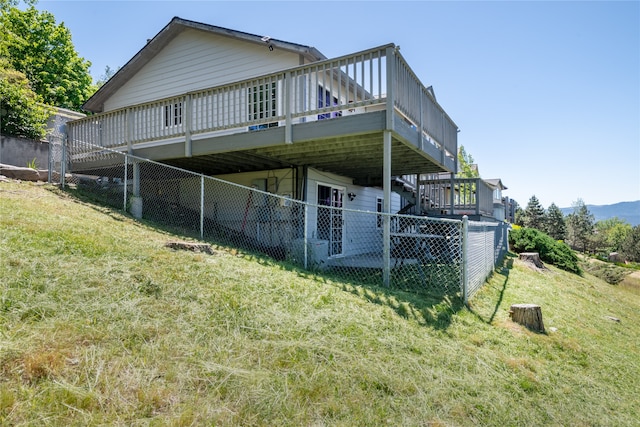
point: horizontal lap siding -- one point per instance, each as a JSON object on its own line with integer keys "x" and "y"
{"x": 196, "y": 60}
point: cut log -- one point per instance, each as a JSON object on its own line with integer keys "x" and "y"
{"x": 527, "y": 315}
{"x": 533, "y": 258}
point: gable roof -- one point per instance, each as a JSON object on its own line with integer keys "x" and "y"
{"x": 496, "y": 183}
{"x": 168, "y": 33}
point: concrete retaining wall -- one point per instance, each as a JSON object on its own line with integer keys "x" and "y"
{"x": 21, "y": 152}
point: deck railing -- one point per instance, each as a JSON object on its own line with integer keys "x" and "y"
{"x": 352, "y": 84}
{"x": 458, "y": 196}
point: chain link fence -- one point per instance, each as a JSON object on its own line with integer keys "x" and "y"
{"x": 486, "y": 244}
{"x": 424, "y": 254}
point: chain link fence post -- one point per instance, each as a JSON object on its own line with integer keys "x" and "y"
{"x": 465, "y": 259}
{"x": 125, "y": 181}
{"x": 201, "y": 207}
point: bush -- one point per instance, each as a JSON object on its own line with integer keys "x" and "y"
{"x": 21, "y": 111}
{"x": 552, "y": 251}
{"x": 608, "y": 272}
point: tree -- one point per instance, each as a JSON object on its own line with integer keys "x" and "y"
{"x": 630, "y": 247}
{"x": 580, "y": 225}
{"x": 467, "y": 168}
{"x": 108, "y": 73}
{"x": 554, "y": 223}
{"x": 533, "y": 215}
{"x": 41, "y": 49}
{"x": 21, "y": 110}
{"x": 613, "y": 232}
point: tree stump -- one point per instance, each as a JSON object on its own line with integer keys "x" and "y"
{"x": 528, "y": 315}
{"x": 532, "y": 257}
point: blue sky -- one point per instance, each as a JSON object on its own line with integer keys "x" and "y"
{"x": 546, "y": 94}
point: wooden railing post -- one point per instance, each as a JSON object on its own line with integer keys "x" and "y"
{"x": 391, "y": 78}
{"x": 288, "y": 139}
{"x": 478, "y": 196}
{"x": 187, "y": 126}
{"x": 128, "y": 134}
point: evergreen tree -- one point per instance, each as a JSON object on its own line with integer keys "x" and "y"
{"x": 533, "y": 215}
{"x": 554, "y": 223}
{"x": 580, "y": 225}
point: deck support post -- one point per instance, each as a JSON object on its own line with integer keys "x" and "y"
{"x": 386, "y": 165}
{"x": 386, "y": 208}
{"x": 136, "y": 200}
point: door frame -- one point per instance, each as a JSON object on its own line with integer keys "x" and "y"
{"x": 336, "y": 216}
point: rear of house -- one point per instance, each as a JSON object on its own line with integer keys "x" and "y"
{"x": 272, "y": 115}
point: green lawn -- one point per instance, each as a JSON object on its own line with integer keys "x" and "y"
{"x": 100, "y": 324}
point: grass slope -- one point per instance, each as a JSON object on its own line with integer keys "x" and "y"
{"x": 100, "y": 324}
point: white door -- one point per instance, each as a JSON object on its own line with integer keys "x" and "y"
{"x": 330, "y": 223}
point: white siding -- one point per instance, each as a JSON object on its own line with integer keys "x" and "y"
{"x": 361, "y": 234}
{"x": 197, "y": 60}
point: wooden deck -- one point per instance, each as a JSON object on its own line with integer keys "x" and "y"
{"x": 217, "y": 130}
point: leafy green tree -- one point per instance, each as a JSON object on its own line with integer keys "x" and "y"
{"x": 467, "y": 167}
{"x": 630, "y": 246}
{"x": 613, "y": 231}
{"x": 554, "y": 223}
{"x": 41, "y": 49}
{"x": 21, "y": 110}
{"x": 580, "y": 226}
{"x": 533, "y": 215}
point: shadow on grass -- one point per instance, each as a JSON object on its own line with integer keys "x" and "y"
{"x": 505, "y": 270}
{"x": 433, "y": 307}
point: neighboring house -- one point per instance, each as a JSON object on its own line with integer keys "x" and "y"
{"x": 445, "y": 196}
{"x": 271, "y": 114}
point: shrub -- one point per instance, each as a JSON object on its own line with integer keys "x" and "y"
{"x": 552, "y": 251}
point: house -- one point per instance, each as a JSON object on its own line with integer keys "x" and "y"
{"x": 445, "y": 196}
{"x": 273, "y": 115}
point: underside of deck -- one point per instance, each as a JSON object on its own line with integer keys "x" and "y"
{"x": 348, "y": 146}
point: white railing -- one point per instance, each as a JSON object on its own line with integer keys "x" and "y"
{"x": 419, "y": 106}
{"x": 352, "y": 84}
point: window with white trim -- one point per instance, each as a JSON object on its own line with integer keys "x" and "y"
{"x": 262, "y": 104}
{"x": 173, "y": 114}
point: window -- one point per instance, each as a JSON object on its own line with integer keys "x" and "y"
{"x": 262, "y": 104}
{"x": 325, "y": 100}
{"x": 173, "y": 114}
{"x": 379, "y": 204}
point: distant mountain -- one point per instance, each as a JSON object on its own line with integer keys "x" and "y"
{"x": 627, "y": 211}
